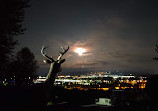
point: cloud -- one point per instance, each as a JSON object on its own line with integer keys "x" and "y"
{"x": 118, "y": 37}
{"x": 111, "y": 49}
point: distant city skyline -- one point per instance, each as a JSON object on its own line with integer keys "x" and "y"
{"x": 99, "y": 81}
{"x": 116, "y": 34}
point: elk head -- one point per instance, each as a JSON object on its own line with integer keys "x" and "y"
{"x": 55, "y": 66}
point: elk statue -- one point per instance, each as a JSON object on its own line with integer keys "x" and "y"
{"x": 55, "y": 67}
{"x": 42, "y": 95}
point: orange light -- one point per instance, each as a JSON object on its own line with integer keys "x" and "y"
{"x": 105, "y": 89}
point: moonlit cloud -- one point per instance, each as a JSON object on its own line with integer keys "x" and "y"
{"x": 117, "y": 35}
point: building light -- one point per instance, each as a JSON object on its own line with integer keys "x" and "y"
{"x": 105, "y": 89}
{"x": 123, "y": 87}
{"x": 117, "y": 87}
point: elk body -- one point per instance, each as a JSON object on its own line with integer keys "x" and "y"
{"x": 45, "y": 89}
{"x": 55, "y": 67}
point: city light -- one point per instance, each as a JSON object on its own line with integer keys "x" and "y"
{"x": 99, "y": 81}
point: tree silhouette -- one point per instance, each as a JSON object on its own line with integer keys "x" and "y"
{"x": 23, "y": 69}
{"x": 11, "y": 17}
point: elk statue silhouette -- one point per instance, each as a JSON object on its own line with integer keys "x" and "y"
{"x": 55, "y": 67}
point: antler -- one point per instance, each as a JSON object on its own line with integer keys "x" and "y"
{"x": 62, "y": 53}
{"x": 45, "y": 54}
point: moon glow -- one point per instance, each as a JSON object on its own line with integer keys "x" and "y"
{"x": 80, "y": 51}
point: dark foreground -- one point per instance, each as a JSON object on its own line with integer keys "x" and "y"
{"x": 32, "y": 98}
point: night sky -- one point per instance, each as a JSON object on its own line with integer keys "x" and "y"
{"x": 116, "y": 34}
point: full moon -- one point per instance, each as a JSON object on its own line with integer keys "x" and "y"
{"x": 80, "y": 51}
